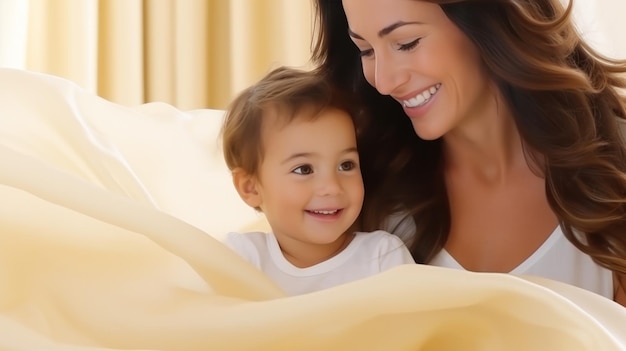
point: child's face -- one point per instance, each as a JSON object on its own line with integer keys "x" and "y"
{"x": 309, "y": 185}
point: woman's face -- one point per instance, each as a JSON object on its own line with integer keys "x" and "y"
{"x": 414, "y": 53}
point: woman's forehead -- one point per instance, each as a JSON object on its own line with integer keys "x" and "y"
{"x": 367, "y": 18}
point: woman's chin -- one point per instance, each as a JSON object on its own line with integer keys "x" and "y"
{"x": 427, "y": 133}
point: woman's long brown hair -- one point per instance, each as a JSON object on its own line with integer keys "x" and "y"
{"x": 565, "y": 99}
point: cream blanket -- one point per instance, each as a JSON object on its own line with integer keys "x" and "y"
{"x": 103, "y": 246}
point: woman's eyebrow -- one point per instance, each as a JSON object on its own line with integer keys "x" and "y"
{"x": 385, "y": 31}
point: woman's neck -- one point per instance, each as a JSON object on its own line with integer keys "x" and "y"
{"x": 487, "y": 146}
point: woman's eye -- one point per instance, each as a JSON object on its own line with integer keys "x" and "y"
{"x": 306, "y": 169}
{"x": 347, "y": 166}
{"x": 366, "y": 53}
{"x": 409, "y": 46}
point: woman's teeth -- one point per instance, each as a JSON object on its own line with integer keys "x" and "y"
{"x": 421, "y": 98}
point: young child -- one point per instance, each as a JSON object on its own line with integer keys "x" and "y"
{"x": 290, "y": 143}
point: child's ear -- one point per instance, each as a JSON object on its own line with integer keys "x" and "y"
{"x": 246, "y": 186}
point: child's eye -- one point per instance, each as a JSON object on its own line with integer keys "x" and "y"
{"x": 409, "y": 46}
{"x": 347, "y": 166}
{"x": 305, "y": 169}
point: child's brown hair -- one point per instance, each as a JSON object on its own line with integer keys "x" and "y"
{"x": 294, "y": 93}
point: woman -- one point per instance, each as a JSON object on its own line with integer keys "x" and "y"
{"x": 494, "y": 140}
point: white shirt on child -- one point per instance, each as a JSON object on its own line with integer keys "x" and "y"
{"x": 367, "y": 254}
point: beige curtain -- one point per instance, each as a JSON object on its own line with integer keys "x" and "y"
{"x": 189, "y": 53}
{"x": 192, "y": 53}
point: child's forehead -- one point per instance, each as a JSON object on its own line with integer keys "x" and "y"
{"x": 304, "y": 120}
{"x": 281, "y": 115}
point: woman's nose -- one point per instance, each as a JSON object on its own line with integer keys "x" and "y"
{"x": 388, "y": 75}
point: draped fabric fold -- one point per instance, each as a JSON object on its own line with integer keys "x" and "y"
{"x": 108, "y": 226}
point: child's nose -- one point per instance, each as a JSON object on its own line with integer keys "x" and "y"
{"x": 329, "y": 185}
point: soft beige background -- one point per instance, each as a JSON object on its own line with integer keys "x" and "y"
{"x": 191, "y": 53}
